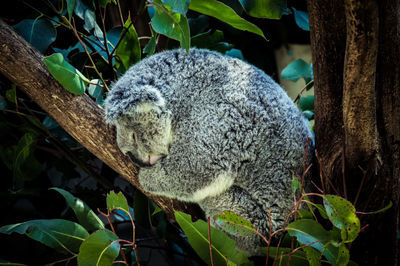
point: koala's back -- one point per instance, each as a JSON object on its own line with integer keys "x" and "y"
{"x": 243, "y": 117}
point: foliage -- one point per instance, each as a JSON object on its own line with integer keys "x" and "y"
{"x": 85, "y": 54}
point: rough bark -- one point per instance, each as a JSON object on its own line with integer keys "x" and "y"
{"x": 328, "y": 47}
{"x": 359, "y": 99}
{"x": 80, "y": 116}
{"x": 363, "y": 96}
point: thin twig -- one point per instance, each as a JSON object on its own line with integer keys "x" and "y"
{"x": 209, "y": 240}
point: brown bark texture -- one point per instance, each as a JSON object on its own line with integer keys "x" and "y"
{"x": 356, "y": 59}
{"x": 359, "y": 99}
{"x": 328, "y": 46}
{"x": 80, "y": 116}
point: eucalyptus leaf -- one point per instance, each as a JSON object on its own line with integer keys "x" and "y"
{"x": 309, "y": 232}
{"x": 25, "y": 165}
{"x": 62, "y": 235}
{"x": 313, "y": 256}
{"x": 70, "y": 8}
{"x": 128, "y": 50}
{"x": 99, "y": 249}
{"x": 96, "y": 91}
{"x": 342, "y": 214}
{"x": 296, "y": 70}
{"x": 234, "y": 224}
{"x": 68, "y": 76}
{"x": 177, "y": 6}
{"x": 223, "y": 248}
{"x": 272, "y": 9}
{"x": 224, "y": 13}
{"x": 115, "y": 201}
{"x": 86, "y": 217}
{"x": 282, "y": 255}
{"x": 301, "y": 19}
{"x": 173, "y": 25}
{"x": 150, "y": 47}
{"x": 11, "y": 95}
{"x": 40, "y": 33}
{"x": 343, "y": 255}
{"x": 307, "y": 103}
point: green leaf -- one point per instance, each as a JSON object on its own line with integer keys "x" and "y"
{"x": 309, "y": 231}
{"x": 86, "y": 217}
{"x": 264, "y": 8}
{"x": 307, "y": 103}
{"x": 296, "y": 184}
{"x": 343, "y": 255}
{"x": 223, "y": 248}
{"x": 38, "y": 32}
{"x": 296, "y": 70}
{"x": 342, "y": 214}
{"x": 115, "y": 201}
{"x": 128, "y": 51}
{"x": 177, "y": 6}
{"x": 11, "y": 95}
{"x": 313, "y": 256}
{"x": 59, "y": 234}
{"x": 99, "y": 249}
{"x": 96, "y": 91}
{"x": 207, "y": 39}
{"x": 150, "y": 47}
{"x": 70, "y": 8}
{"x": 25, "y": 165}
{"x": 224, "y": 13}
{"x": 103, "y": 3}
{"x": 301, "y": 19}
{"x": 68, "y": 76}
{"x": 172, "y": 25}
{"x": 296, "y": 259}
{"x": 234, "y": 224}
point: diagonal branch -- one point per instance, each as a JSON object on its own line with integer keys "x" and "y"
{"x": 78, "y": 115}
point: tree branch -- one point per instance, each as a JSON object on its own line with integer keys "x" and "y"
{"x": 80, "y": 116}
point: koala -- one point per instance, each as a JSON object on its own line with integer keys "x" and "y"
{"x": 207, "y": 128}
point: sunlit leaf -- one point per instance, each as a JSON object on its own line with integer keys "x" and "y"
{"x": 100, "y": 248}
{"x": 68, "y": 76}
{"x": 117, "y": 201}
{"x": 59, "y": 234}
{"x": 343, "y": 255}
{"x": 223, "y": 247}
{"x": 96, "y": 91}
{"x": 264, "y": 8}
{"x": 342, "y": 214}
{"x": 234, "y": 224}
{"x": 224, "y": 13}
{"x": 38, "y": 32}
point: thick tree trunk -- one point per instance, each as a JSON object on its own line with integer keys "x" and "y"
{"x": 80, "y": 116}
{"x": 357, "y": 110}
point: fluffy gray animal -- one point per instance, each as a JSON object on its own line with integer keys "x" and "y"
{"x": 214, "y": 130}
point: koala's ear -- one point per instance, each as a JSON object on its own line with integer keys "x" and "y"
{"x": 132, "y": 100}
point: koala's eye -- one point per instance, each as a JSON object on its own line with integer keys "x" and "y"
{"x": 133, "y": 137}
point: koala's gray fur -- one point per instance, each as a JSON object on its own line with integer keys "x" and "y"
{"x": 214, "y": 130}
